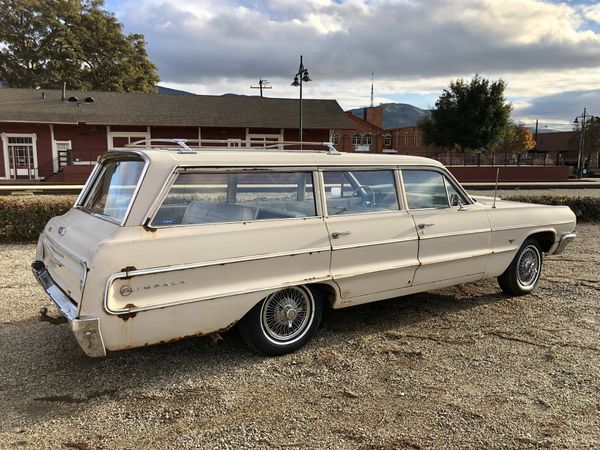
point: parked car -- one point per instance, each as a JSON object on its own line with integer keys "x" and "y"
{"x": 165, "y": 243}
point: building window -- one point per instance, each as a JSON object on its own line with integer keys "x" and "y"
{"x": 356, "y": 139}
{"x": 20, "y": 156}
{"x": 335, "y": 138}
{"x": 367, "y": 139}
{"x": 387, "y": 140}
{"x": 406, "y": 139}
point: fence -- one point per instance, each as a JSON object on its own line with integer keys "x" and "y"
{"x": 493, "y": 159}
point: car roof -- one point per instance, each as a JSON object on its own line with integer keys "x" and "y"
{"x": 216, "y": 157}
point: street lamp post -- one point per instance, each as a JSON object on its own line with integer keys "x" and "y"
{"x": 580, "y": 161}
{"x": 301, "y": 76}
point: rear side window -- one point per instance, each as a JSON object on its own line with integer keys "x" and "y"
{"x": 198, "y": 198}
{"x": 113, "y": 189}
{"x": 360, "y": 191}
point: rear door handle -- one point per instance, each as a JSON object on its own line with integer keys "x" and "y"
{"x": 339, "y": 234}
{"x": 425, "y": 225}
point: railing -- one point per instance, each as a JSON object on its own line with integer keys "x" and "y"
{"x": 492, "y": 159}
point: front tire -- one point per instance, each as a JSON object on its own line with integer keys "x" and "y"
{"x": 283, "y": 322}
{"x": 524, "y": 271}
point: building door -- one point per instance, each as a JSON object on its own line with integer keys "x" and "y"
{"x": 22, "y": 157}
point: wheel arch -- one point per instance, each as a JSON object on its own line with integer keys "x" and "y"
{"x": 546, "y": 239}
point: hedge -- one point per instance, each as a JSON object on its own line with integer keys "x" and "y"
{"x": 587, "y": 209}
{"x": 22, "y": 218}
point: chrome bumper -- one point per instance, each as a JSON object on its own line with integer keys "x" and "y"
{"x": 561, "y": 244}
{"x": 86, "y": 329}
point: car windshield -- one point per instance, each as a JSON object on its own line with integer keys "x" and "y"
{"x": 113, "y": 189}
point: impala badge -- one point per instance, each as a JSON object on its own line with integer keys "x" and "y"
{"x": 62, "y": 231}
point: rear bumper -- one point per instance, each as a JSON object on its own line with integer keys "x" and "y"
{"x": 560, "y": 245}
{"x": 85, "y": 329}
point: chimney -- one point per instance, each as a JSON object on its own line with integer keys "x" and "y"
{"x": 64, "y": 91}
{"x": 374, "y": 115}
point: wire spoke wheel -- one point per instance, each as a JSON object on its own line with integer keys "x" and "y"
{"x": 528, "y": 266}
{"x": 287, "y": 314}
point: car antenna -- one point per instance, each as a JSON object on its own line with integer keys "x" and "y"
{"x": 496, "y": 187}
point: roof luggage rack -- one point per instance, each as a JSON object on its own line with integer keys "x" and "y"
{"x": 194, "y": 145}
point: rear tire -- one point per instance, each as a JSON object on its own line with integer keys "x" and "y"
{"x": 283, "y": 322}
{"x": 524, "y": 271}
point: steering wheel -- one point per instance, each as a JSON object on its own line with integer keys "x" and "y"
{"x": 365, "y": 189}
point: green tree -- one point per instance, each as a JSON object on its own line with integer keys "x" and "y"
{"x": 469, "y": 115}
{"x": 45, "y": 43}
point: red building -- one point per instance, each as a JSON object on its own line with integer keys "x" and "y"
{"x": 46, "y": 137}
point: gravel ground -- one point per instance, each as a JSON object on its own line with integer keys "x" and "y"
{"x": 514, "y": 192}
{"x": 464, "y": 367}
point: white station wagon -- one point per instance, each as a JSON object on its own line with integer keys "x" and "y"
{"x": 170, "y": 242}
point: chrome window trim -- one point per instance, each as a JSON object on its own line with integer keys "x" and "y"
{"x": 96, "y": 173}
{"x": 187, "y": 266}
{"x": 177, "y": 170}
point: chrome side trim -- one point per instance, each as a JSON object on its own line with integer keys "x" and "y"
{"x": 454, "y": 233}
{"x": 531, "y": 225}
{"x": 415, "y": 264}
{"x": 212, "y": 297}
{"x": 374, "y": 243}
{"x": 187, "y": 266}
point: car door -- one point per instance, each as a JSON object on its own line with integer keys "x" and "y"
{"x": 374, "y": 241}
{"x": 454, "y": 233}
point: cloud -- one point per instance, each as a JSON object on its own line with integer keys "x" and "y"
{"x": 562, "y": 107}
{"x": 540, "y": 48}
{"x": 344, "y": 40}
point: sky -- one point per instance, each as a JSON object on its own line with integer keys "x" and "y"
{"x": 548, "y": 52}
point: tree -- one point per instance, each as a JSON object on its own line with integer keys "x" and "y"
{"x": 468, "y": 116}
{"x": 45, "y": 43}
{"x": 515, "y": 139}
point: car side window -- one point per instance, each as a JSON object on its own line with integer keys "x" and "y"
{"x": 360, "y": 191}
{"x": 198, "y": 198}
{"x": 455, "y": 198}
{"x": 425, "y": 189}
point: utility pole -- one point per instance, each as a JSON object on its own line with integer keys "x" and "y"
{"x": 372, "y": 88}
{"x": 262, "y": 84}
{"x": 536, "y": 131}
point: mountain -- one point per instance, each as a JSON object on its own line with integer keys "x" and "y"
{"x": 396, "y": 115}
{"x": 168, "y": 91}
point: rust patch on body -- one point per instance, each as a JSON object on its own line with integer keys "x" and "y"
{"x": 129, "y": 315}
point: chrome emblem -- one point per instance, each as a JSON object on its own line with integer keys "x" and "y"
{"x": 125, "y": 290}
{"x": 62, "y": 231}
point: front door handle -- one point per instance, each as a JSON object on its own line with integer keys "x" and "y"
{"x": 339, "y": 234}
{"x": 425, "y": 225}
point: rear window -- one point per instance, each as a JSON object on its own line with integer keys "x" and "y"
{"x": 197, "y": 198}
{"x": 113, "y": 189}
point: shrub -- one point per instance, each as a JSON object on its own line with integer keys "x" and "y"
{"x": 22, "y": 218}
{"x": 587, "y": 209}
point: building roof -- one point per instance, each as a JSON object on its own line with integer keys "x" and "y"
{"x": 118, "y": 108}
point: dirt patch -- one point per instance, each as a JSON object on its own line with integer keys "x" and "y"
{"x": 464, "y": 367}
